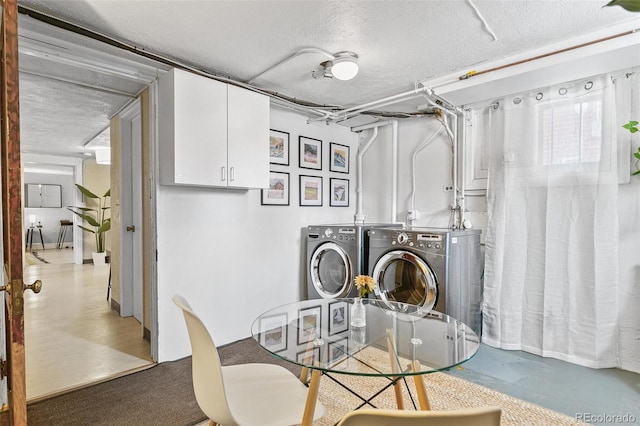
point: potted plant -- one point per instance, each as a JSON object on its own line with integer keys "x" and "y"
{"x": 97, "y": 220}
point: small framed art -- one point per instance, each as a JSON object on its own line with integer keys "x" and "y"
{"x": 278, "y": 147}
{"x": 309, "y": 324}
{"x": 273, "y": 332}
{"x": 338, "y": 317}
{"x": 278, "y": 192}
{"x": 310, "y": 190}
{"x": 339, "y": 158}
{"x": 337, "y": 350}
{"x": 309, "y": 356}
{"x": 310, "y": 151}
{"x": 339, "y": 192}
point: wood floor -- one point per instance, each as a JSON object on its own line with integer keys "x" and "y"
{"x": 72, "y": 336}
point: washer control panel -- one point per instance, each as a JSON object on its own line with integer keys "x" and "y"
{"x": 346, "y": 234}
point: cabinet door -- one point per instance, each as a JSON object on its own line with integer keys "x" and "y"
{"x": 248, "y": 138}
{"x": 200, "y": 130}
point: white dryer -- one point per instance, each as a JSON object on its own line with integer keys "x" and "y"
{"x": 436, "y": 268}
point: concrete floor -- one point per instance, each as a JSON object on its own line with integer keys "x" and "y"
{"x": 561, "y": 386}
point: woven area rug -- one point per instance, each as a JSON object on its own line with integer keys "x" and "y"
{"x": 445, "y": 392}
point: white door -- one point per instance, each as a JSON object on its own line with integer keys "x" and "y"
{"x": 131, "y": 284}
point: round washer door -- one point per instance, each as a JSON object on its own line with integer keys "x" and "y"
{"x": 331, "y": 271}
{"x": 405, "y": 277}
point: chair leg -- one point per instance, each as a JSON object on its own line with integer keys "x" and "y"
{"x": 109, "y": 283}
{"x": 420, "y": 388}
{"x": 312, "y": 398}
{"x": 395, "y": 368}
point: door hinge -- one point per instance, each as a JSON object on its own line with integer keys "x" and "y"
{"x": 4, "y": 370}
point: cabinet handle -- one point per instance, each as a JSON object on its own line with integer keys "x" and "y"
{"x": 224, "y": 173}
{"x": 232, "y": 176}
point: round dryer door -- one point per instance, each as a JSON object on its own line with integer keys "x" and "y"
{"x": 331, "y": 271}
{"x": 405, "y": 277}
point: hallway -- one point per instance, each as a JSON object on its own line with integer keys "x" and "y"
{"x": 72, "y": 336}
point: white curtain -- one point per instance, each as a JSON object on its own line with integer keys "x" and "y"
{"x": 551, "y": 267}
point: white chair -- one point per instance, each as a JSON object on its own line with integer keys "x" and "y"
{"x": 481, "y": 416}
{"x": 245, "y": 394}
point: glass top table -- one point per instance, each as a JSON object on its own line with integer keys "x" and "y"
{"x": 398, "y": 340}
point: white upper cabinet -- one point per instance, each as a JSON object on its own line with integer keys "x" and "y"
{"x": 248, "y": 138}
{"x": 211, "y": 133}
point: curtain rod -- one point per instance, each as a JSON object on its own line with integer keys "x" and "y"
{"x": 474, "y": 73}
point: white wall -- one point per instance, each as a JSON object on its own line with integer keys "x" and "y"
{"x": 50, "y": 217}
{"x": 233, "y": 258}
{"x": 433, "y": 172}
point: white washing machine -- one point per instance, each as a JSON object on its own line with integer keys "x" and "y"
{"x": 335, "y": 255}
{"x": 436, "y": 268}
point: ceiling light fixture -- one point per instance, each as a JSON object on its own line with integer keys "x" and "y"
{"x": 344, "y": 66}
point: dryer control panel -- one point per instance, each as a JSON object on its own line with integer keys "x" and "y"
{"x": 423, "y": 241}
{"x": 430, "y": 240}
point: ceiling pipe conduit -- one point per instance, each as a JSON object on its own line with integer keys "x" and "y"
{"x": 302, "y": 51}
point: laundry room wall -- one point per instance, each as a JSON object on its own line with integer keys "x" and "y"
{"x": 433, "y": 171}
{"x": 233, "y": 258}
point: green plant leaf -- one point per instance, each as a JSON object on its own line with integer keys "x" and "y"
{"x": 105, "y": 227}
{"x": 87, "y": 229}
{"x": 632, "y": 126}
{"x": 84, "y": 209}
{"x": 630, "y": 5}
{"x": 94, "y": 217}
{"x": 635, "y": 173}
{"x": 86, "y": 192}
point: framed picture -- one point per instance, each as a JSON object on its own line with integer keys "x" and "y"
{"x": 278, "y": 192}
{"x": 339, "y": 158}
{"x": 309, "y": 324}
{"x": 273, "y": 332}
{"x": 337, "y": 350}
{"x": 338, "y": 317}
{"x": 309, "y": 356}
{"x": 310, "y": 153}
{"x": 278, "y": 147}
{"x": 339, "y": 196}
{"x": 310, "y": 190}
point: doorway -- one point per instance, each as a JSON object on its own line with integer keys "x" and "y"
{"x": 75, "y": 334}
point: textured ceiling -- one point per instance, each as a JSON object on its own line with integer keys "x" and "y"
{"x": 398, "y": 42}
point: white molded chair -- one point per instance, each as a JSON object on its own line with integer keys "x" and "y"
{"x": 481, "y": 416}
{"x": 245, "y": 394}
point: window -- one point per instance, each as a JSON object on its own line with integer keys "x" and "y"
{"x": 572, "y": 132}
